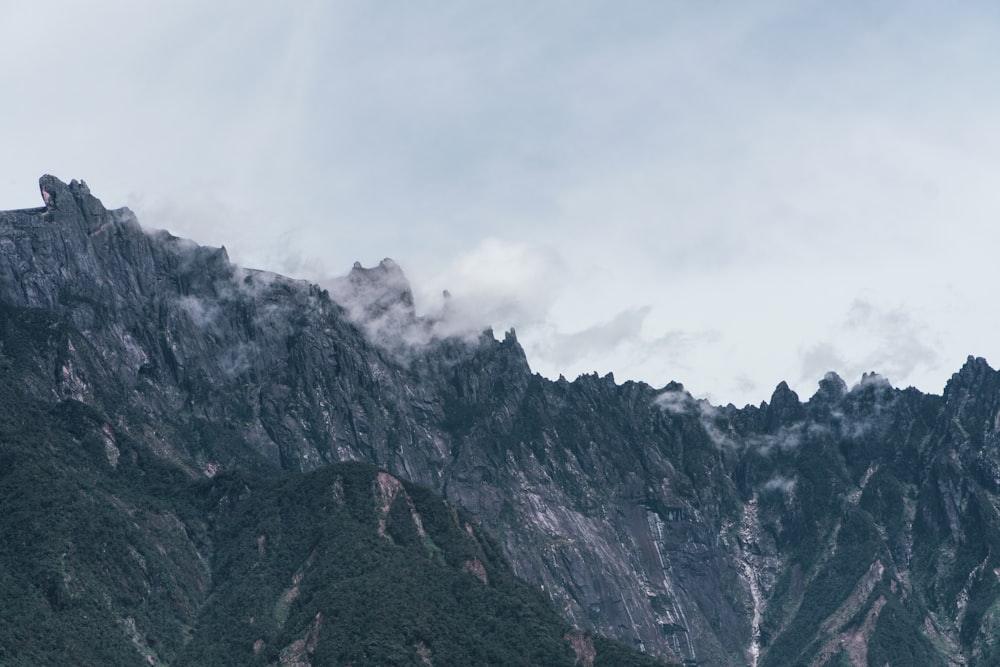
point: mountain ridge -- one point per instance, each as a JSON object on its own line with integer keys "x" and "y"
{"x": 857, "y": 527}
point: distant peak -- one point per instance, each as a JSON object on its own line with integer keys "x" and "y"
{"x": 832, "y": 388}
{"x": 975, "y": 365}
{"x": 54, "y": 192}
{"x": 73, "y": 198}
{"x": 785, "y": 403}
{"x": 386, "y": 266}
{"x": 379, "y": 297}
{"x": 385, "y": 283}
{"x": 973, "y": 373}
{"x": 873, "y": 379}
{"x": 783, "y": 395}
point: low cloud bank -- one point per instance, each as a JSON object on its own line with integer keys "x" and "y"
{"x": 381, "y": 302}
{"x": 787, "y": 438}
{"x": 851, "y": 420}
{"x": 497, "y": 285}
{"x": 713, "y": 423}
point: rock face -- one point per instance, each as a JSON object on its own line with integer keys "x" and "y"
{"x": 857, "y": 527}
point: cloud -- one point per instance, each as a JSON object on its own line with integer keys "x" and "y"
{"x": 620, "y": 330}
{"x": 201, "y": 313}
{"x": 873, "y": 379}
{"x": 693, "y": 167}
{"x": 819, "y": 359}
{"x": 786, "y": 439}
{"x": 380, "y": 301}
{"x": 676, "y": 402}
{"x": 711, "y": 419}
{"x": 497, "y": 283}
{"x": 719, "y": 431}
{"x": 902, "y": 341}
{"x": 623, "y": 337}
{"x": 781, "y": 484}
{"x": 238, "y": 359}
{"x": 858, "y": 419}
{"x": 890, "y": 340}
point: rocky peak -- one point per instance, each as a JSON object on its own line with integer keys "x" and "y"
{"x": 384, "y": 285}
{"x": 972, "y": 395}
{"x": 784, "y": 407}
{"x": 706, "y": 535}
{"x": 380, "y": 300}
{"x": 973, "y": 373}
{"x": 832, "y": 389}
{"x": 71, "y": 202}
{"x": 59, "y": 195}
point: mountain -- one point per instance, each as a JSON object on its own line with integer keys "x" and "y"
{"x": 147, "y": 380}
{"x": 140, "y": 526}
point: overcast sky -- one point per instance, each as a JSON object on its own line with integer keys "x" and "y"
{"x": 726, "y": 194}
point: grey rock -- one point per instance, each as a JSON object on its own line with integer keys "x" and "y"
{"x": 789, "y": 533}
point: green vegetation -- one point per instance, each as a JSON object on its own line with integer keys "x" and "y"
{"x": 897, "y": 640}
{"x": 111, "y": 555}
{"x": 876, "y": 508}
{"x": 612, "y": 654}
{"x": 307, "y": 553}
{"x": 95, "y": 571}
{"x": 857, "y": 547}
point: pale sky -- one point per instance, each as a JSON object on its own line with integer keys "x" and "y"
{"x": 725, "y": 194}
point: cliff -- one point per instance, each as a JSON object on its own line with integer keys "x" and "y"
{"x": 856, "y": 527}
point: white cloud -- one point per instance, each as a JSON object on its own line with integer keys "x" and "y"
{"x": 496, "y": 283}
{"x": 712, "y": 420}
{"x": 780, "y": 483}
{"x": 201, "y": 314}
{"x": 786, "y": 439}
{"x": 869, "y": 338}
{"x": 676, "y": 402}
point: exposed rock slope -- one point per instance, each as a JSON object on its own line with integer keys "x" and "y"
{"x": 857, "y": 527}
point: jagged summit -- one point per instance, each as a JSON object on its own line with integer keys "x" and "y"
{"x": 973, "y": 369}
{"x": 378, "y": 289}
{"x": 858, "y": 529}
{"x": 832, "y": 388}
{"x": 72, "y": 201}
{"x": 56, "y": 193}
{"x": 974, "y": 378}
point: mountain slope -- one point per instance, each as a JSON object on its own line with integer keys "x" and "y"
{"x": 113, "y": 555}
{"x": 857, "y": 527}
